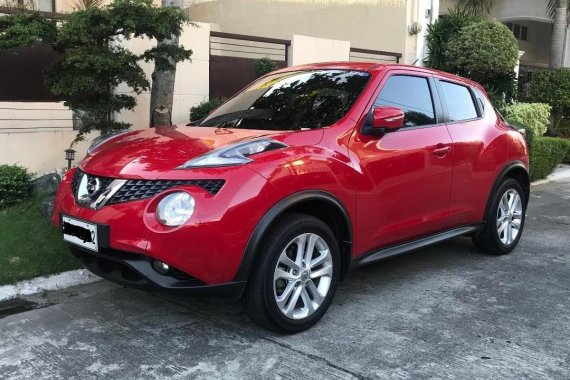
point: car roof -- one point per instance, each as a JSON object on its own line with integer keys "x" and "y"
{"x": 374, "y": 67}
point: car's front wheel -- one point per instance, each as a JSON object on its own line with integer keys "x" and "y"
{"x": 505, "y": 217}
{"x": 295, "y": 275}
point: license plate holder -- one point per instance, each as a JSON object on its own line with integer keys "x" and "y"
{"x": 80, "y": 233}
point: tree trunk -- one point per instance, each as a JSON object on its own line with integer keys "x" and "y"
{"x": 162, "y": 92}
{"x": 558, "y": 34}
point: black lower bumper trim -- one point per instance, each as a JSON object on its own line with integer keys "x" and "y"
{"x": 136, "y": 271}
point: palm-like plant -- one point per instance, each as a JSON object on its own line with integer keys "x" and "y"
{"x": 84, "y": 4}
{"x": 557, "y": 10}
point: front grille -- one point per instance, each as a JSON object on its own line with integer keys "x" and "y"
{"x": 75, "y": 181}
{"x": 136, "y": 189}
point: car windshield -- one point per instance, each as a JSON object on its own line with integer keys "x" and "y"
{"x": 297, "y": 100}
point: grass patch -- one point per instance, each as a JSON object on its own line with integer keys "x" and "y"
{"x": 30, "y": 246}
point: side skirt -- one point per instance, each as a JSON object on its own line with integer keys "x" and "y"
{"x": 400, "y": 249}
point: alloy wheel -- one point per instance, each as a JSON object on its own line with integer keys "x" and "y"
{"x": 509, "y": 216}
{"x": 302, "y": 276}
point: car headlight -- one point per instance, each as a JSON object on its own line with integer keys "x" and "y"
{"x": 233, "y": 154}
{"x": 175, "y": 209}
{"x": 98, "y": 141}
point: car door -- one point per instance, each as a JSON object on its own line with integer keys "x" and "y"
{"x": 405, "y": 176}
{"x": 478, "y": 148}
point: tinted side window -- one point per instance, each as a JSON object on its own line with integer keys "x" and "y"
{"x": 412, "y": 95}
{"x": 459, "y": 102}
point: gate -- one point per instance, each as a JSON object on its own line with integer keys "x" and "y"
{"x": 233, "y": 57}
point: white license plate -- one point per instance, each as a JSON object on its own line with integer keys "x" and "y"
{"x": 80, "y": 233}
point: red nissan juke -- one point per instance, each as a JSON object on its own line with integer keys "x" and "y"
{"x": 305, "y": 175}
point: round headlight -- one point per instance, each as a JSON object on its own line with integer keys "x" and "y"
{"x": 175, "y": 209}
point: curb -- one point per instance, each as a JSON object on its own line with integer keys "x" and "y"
{"x": 561, "y": 172}
{"x": 47, "y": 283}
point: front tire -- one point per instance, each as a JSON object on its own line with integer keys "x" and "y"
{"x": 295, "y": 276}
{"x": 505, "y": 217}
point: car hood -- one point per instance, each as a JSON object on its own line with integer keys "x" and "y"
{"x": 151, "y": 152}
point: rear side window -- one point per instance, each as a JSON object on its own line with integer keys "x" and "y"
{"x": 412, "y": 95}
{"x": 459, "y": 101}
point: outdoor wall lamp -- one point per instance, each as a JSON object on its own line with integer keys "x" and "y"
{"x": 69, "y": 156}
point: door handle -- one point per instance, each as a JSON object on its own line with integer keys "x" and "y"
{"x": 442, "y": 151}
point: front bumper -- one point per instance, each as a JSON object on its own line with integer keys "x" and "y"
{"x": 136, "y": 271}
{"x": 209, "y": 247}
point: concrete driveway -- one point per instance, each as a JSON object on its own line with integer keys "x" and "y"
{"x": 446, "y": 312}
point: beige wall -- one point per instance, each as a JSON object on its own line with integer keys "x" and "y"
{"x": 379, "y": 25}
{"x": 35, "y": 135}
{"x": 310, "y": 49}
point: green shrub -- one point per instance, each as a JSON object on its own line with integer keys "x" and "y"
{"x": 535, "y": 116}
{"x": 264, "y": 66}
{"x": 440, "y": 32}
{"x": 487, "y": 52}
{"x": 547, "y": 153}
{"x": 552, "y": 87}
{"x": 204, "y": 108}
{"x": 14, "y": 184}
{"x": 482, "y": 48}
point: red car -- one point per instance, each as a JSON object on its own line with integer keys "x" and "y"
{"x": 305, "y": 175}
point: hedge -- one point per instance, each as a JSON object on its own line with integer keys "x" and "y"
{"x": 204, "y": 108}
{"x": 546, "y": 154}
{"x": 14, "y": 184}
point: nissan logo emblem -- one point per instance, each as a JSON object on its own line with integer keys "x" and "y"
{"x": 93, "y": 185}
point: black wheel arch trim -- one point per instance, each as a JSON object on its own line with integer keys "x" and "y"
{"x": 510, "y": 166}
{"x": 274, "y": 212}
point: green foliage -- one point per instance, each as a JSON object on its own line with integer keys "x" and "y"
{"x": 264, "y": 66}
{"x": 91, "y": 61}
{"x": 534, "y": 116}
{"x": 204, "y": 108}
{"x": 552, "y": 87}
{"x": 14, "y": 185}
{"x": 481, "y": 49}
{"x": 24, "y": 30}
{"x": 440, "y": 32}
{"x": 547, "y": 153}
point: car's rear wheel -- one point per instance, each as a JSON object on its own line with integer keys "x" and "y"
{"x": 505, "y": 217}
{"x": 295, "y": 275}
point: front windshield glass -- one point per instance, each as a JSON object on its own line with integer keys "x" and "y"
{"x": 290, "y": 101}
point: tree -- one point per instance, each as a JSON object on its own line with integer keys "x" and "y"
{"x": 84, "y": 4}
{"x": 91, "y": 61}
{"x": 164, "y": 74}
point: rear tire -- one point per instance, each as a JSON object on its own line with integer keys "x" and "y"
{"x": 295, "y": 275}
{"x": 505, "y": 217}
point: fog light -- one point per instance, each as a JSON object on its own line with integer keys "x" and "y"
{"x": 160, "y": 267}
